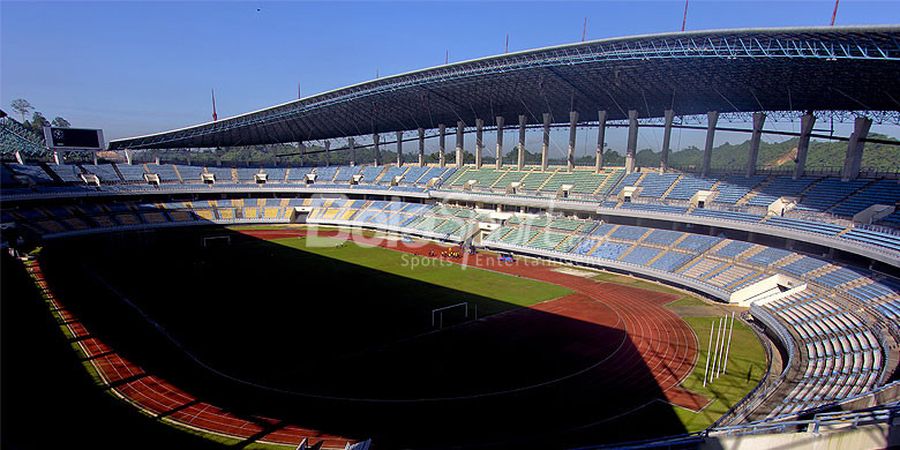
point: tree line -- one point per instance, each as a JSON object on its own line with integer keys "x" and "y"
{"x": 38, "y": 120}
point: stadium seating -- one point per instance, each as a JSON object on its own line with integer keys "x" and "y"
{"x": 688, "y": 185}
{"x": 732, "y": 189}
{"x": 105, "y": 172}
{"x": 132, "y": 173}
{"x": 779, "y": 187}
{"x": 840, "y": 355}
{"x": 166, "y": 172}
{"x": 884, "y": 192}
{"x": 654, "y": 185}
{"x": 68, "y": 173}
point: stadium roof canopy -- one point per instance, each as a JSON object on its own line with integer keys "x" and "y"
{"x": 15, "y": 137}
{"x": 730, "y": 71}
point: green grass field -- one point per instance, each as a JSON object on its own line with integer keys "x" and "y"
{"x": 746, "y": 366}
{"x": 284, "y": 281}
{"x": 747, "y": 363}
{"x": 493, "y": 285}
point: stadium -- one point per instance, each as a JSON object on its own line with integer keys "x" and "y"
{"x": 389, "y": 291}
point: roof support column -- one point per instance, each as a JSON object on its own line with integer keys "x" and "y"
{"x": 376, "y": 144}
{"x": 667, "y": 141}
{"x": 573, "y": 129}
{"x": 442, "y": 145}
{"x": 545, "y": 146}
{"x": 460, "y": 129}
{"x": 631, "y": 148}
{"x": 520, "y": 163}
{"x": 601, "y": 137}
{"x": 712, "y": 118}
{"x": 352, "y": 144}
{"x": 479, "y": 141}
{"x": 421, "y": 147}
{"x": 806, "y": 125}
{"x": 127, "y": 156}
{"x": 759, "y": 119}
{"x": 499, "y": 151}
{"x": 853, "y": 160}
{"x": 399, "y": 149}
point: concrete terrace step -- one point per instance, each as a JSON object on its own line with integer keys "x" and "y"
{"x": 754, "y": 191}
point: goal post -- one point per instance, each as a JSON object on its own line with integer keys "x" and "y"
{"x": 437, "y": 314}
{"x": 215, "y": 241}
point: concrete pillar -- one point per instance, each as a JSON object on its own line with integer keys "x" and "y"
{"x": 399, "y": 149}
{"x": 376, "y": 144}
{"x": 712, "y": 118}
{"x": 94, "y": 157}
{"x": 667, "y": 140}
{"x": 806, "y": 126}
{"x": 499, "y": 151}
{"x": 128, "y": 156}
{"x": 18, "y": 156}
{"x": 156, "y": 159}
{"x": 300, "y": 146}
{"x": 189, "y": 157}
{"x": 352, "y": 144}
{"x": 520, "y": 163}
{"x": 56, "y": 158}
{"x": 601, "y": 140}
{"x": 631, "y": 148}
{"x": 442, "y": 145}
{"x": 479, "y": 141}
{"x": 573, "y": 129}
{"x": 853, "y": 160}
{"x": 421, "y": 147}
{"x": 759, "y": 119}
{"x": 545, "y": 146}
{"x": 460, "y": 136}
{"x": 327, "y": 153}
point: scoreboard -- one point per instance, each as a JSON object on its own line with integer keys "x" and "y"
{"x": 74, "y": 138}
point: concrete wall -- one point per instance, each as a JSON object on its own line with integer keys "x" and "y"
{"x": 862, "y": 438}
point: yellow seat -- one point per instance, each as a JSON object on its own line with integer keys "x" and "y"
{"x": 205, "y": 214}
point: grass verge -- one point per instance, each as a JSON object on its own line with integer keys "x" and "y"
{"x": 746, "y": 366}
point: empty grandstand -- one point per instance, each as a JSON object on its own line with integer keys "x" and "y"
{"x": 808, "y": 260}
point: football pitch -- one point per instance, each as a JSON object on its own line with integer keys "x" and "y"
{"x": 341, "y": 336}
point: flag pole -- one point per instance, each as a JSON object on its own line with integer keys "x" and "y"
{"x": 708, "y": 354}
{"x": 716, "y": 354}
{"x": 728, "y": 349}
{"x": 722, "y": 349}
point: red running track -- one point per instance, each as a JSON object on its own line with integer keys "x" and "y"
{"x": 662, "y": 342}
{"x": 162, "y": 400}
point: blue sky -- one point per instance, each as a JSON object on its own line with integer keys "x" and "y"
{"x": 138, "y": 67}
